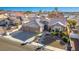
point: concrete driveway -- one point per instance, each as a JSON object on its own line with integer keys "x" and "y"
{"x": 22, "y": 35}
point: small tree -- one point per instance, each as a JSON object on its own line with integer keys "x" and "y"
{"x": 17, "y": 24}
{"x": 72, "y": 22}
{"x": 69, "y": 21}
{"x": 53, "y": 33}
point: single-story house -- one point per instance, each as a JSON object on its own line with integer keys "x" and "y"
{"x": 4, "y": 22}
{"x": 3, "y": 16}
{"x": 14, "y": 20}
{"x": 59, "y": 24}
{"x": 32, "y": 16}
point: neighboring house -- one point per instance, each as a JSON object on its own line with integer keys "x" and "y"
{"x": 14, "y": 20}
{"x": 2, "y": 16}
{"x": 74, "y": 34}
{"x": 33, "y": 26}
{"x": 33, "y": 16}
{"x": 56, "y": 14}
{"x": 16, "y": 15}
{"x": 4, "y": 22}
{"x": 75, "y": 37}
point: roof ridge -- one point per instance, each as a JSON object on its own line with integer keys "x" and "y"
{"x": 38, "y": 22}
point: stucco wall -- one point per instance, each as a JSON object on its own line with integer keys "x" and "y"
{"x": 61, "y": 28}
{"x": 31, "y": 29}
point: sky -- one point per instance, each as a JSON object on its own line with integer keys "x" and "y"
{"x": 62, "y": 9}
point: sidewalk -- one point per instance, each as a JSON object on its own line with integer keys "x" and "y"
{"x": 32, "y": 38}
{"x": 50, "y": 48}
{"x": 13, "y": 39}
{"x": 14, "y": 30}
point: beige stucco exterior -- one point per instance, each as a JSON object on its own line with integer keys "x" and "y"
{"x": 58, "y": 26}
{"x": 32, "y": 26}
{"x": 32, "y": 29}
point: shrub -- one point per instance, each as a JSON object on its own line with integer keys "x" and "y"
{"x": 54, "y": 33}
{"x": 65, "y": 39}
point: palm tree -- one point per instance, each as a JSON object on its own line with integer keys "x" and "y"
{"x": 74, "y": 22}
{"x": 69, "y": 21}
{"x": 69, "y": 39}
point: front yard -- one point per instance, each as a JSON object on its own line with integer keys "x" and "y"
{"x": 54, "y": 39}
{"x": 54, "y": 43}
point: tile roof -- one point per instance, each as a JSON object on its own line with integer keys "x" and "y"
{"x": 32, "y": 23}
{"x": 74, "y": 35}
{"x": 53, "y": 21}
{"x": 59, "y": 23}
